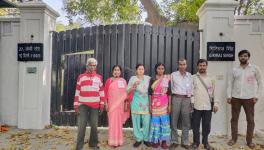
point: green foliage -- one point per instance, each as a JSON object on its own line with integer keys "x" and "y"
{"x": 61, "y": 27}
{"x": 250, "y": 7}
{"x": 185, "y": 10}
{"x": 181, "y": 11}
{"x": 128, "y": 11}
{"x": 2, "y": 12}
{"x": 103, "y": 11}
{"x": 9, "y": 11}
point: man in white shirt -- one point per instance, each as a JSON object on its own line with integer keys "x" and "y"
{"x": 204, "y": 104}
{"x": 244, "y": 89}
{"x": 181, "y": 88}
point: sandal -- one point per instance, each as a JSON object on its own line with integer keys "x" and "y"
{"x": 164, "y": 145}
{"x": 231, "y": 143}
{"x": 251, "y": 145}
{"x": 155, "y": 145}
{"x": 3, "y": 128}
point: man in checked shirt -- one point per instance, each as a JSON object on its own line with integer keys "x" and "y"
{"x": 244, "y": 89}
{"x": 89, "y": 98}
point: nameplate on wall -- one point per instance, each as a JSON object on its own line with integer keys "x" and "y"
{"x": 221, "y": 51}
{"x": 30, "y": 51}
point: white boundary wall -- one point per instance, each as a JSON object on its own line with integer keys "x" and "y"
{"x": 9, "y": 36}
{"x": 217, "y": 16}
{"x": 24, "y": 97}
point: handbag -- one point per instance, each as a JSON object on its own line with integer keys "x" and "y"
{"x": 210, "y": 97}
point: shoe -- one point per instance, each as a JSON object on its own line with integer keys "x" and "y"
{"x": 231, "y": 142}
{"x": 94, "y": 147}
{"x": 137, "y": 144}
{"x": 251, "y": 145}
{"x": 173, "y": 146}
{"x": 155, "y": 145}
{"x": 207, "y": 147}
{"x": 147, "y": 144}
{"x": 194, "y": 146}
{"x": 164, "y": 145}
{"x": 185, "y": 146}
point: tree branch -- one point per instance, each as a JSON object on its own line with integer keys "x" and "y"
{"x": 154, "y": 16}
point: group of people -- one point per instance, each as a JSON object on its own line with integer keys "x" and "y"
{"x": 159, "y": 104}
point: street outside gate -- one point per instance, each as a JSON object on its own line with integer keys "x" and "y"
{"x": 122, "y": 44}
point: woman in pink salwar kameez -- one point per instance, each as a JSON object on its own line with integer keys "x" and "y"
{"x": 115, "y": 89}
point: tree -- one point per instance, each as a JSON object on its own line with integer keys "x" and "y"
{"x": 250, "y": 7}
{"x": 181, "y": 10}
{"x": 178, "y": 11}
{"x": 9, "y": 11}
{"x": 154, "y": 14}
{"x": 2, "y": 12}
{"x": 103, "y": 11}
{"x": 61, "y": 27}
{"x": 166, "y": 12}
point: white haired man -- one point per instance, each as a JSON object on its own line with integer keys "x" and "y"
{"x": 89, "y": 98}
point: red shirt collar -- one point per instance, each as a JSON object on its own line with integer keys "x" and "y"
{"x": 91, "y": 74}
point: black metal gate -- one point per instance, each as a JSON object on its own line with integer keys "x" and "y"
{"x": 122, "y": 44}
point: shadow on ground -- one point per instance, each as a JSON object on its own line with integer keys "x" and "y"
{"x": 64, "y": 139}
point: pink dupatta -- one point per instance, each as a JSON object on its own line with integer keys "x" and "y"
{"x": 160, "y": 97}
{"x": 116, "y": 96}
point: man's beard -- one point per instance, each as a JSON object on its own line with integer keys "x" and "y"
{"x": 243, "y": 62}
{"x": 202, "y": 71}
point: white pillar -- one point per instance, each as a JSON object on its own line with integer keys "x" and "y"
{"x": 216, "y": 25}
{"x": 37, "y": 20}
{"x": 9, "y": 31}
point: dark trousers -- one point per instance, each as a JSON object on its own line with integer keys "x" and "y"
{"x": 87, "y": 113}
{"x": 248, "y": 106}
{"x": 205, "y": 116}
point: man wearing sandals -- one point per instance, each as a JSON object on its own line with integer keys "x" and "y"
{"x": 244, "y": 89}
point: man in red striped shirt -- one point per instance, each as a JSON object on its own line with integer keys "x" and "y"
{"x": 89, "y": 98}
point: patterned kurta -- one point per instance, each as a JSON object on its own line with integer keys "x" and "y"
{"x": 159, "y": 90}
{"x": 140, "y": 101}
